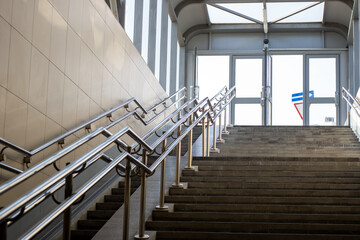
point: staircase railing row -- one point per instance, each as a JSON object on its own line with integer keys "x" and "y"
{"x": 353, "y": 106}
{"x": 204, "y": 112}
{"x": 176, "y": 98}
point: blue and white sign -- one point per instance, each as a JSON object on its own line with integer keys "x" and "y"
{"x": 297, "y": 97}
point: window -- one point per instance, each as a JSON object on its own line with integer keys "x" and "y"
{"x": 284, "y": 12}
{"x": 129, "y": 19}
{"x": 145, "y": 31}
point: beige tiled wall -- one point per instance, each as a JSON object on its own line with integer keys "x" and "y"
{"x": 61, "y": 63}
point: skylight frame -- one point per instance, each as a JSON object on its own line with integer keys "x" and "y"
{"x": 227, "y": 8}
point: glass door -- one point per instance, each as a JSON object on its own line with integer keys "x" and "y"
{"x": 322, "y": 89}
{"x": 248, "y": 77}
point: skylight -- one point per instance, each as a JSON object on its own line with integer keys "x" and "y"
{"x": 219, "y": 16}
{"x": 278, "y": 12}
{"x": 253, "y": 10}
{"x": 314, "y": 14}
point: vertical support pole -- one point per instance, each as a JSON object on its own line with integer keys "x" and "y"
{"x": 67, "y": 212}
{"x": 203, "y": 134}
{"x": 220, "y": 139}
{"x": 3, "y": 230}
{"x": 214, "y": 149}
{"x": 161, "y": 206}
{"x": 142, "y": 234}
{"x": 208, "y": 137}
{"x": 190, "y": 138}
{"x": 224, "y": 131}
{"x": 348, "y": 115}
{"x": 127, "y": 192}
{"x": 177, "y": 183}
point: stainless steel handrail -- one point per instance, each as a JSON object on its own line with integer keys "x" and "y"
{"x": 57, "y": 139}
{"x": 10, "y": 168}
{"x": 102, "y": 130}
{"x": 94, "y": 154}
{"x": 346, "y": 95}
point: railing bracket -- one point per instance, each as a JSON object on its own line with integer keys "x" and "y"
{"x": 2, "y": 157}
{"x": 27, "y": 161}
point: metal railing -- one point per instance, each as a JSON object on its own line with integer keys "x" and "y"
{"x": 88, "y": 125}
{"x": 353, "y": 104}
{"x": 205, "y": 112}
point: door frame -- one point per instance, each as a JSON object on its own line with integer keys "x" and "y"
{"x": 246, "y": 100}
{"x": 318, "y": 100}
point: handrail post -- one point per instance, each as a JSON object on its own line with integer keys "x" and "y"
{"x": 142, "y": 234}
{"x": 225, "y": 131}
{"x": 203, "y": 134}
{"x": 177, "y": 183}
{"x": 208, "y": 137}
{"x": 220, "y": 139}
{"x": 127, "y": 192}
{"x": 161, "y": 206}
{"x": 3, "y": 230}
{"x": 190, "y": 140}
{"x": 214, "y": 149}
{"x": 67, "y": 212}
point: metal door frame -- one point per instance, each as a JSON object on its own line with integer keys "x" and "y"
{"x": 307, "y": 101}
{"x": 246, "y": 100}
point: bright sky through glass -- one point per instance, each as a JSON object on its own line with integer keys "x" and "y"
{"x": 274, "y": 12}
{"x": 253, "y": 10}
{"x": 287, "y": 79}
{"x": 219, "y": 16}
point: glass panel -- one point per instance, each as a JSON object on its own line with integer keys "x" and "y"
{"x": 314, "y": 14}
{"x": 322, "y": 114}
{"x": 248, "y": 114}
{"x": 168, "y": 55}
{"x": 248, "y": 77}
{"x": 287, "y": 80}
{"x": 145, "y": 31}
{"x": 158, "y": 38}
{"x": 278, "y": 10}
{"x": 322, "y": 76}
{"x": 253, "y": 10}
{"x": 213, "y": 74}
{"x": 219, "y": 16}
{"x": 129, "y": 19}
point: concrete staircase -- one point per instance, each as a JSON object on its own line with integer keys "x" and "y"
{"x": 269, "y": 183}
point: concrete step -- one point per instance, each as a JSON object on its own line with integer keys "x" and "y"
{"x": 254, "y": 227}
{"x": 83, "y": 234}
{"x": 263, "y": 200}
{"x": 284, "y": 185}
{"x": 256, "y": 179}
{"x": 241, "y": 173}
{"x": 311, "y": 168}
{"x": 91, "y": 224}
{"x": 100, "y": 214}
{"x": 181, "y": 235}
{"x": 256, "y": 217}
{"x": 118, "y": 191}
{"x": 114, "y": 198}
{"x": 108, "y": 206}
{"x": 267, "y": 208}
{"x": 266, "y": 192}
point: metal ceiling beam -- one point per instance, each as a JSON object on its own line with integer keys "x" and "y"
{"x": 236, "y": 13}
{"x": 265, "y": 21}
{"x": 296, "y": 12}
{"x": 207, "y": 14}
{"x": 251, "y": 28}
{"x": 185, "y": 3}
